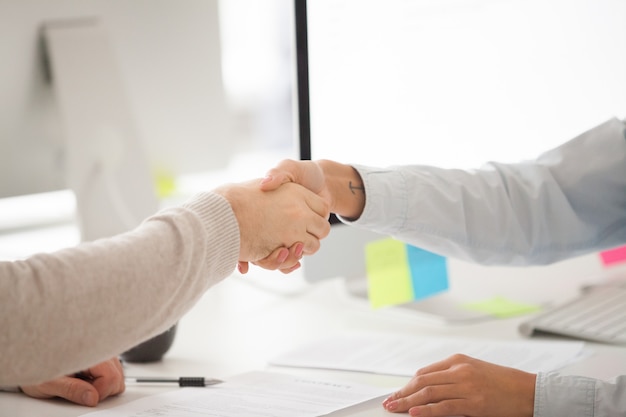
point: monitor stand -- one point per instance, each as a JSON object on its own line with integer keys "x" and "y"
{"x": 106, "y": 166}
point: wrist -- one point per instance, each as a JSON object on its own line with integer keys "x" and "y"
{"x": 346, "y": 189}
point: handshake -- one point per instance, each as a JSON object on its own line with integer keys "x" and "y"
{"x": 285, "y": 215}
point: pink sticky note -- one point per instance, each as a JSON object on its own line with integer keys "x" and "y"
{"x": 613, "y": 256}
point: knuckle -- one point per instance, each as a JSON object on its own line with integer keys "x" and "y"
{"x": 446, "y": 408}
{"x": 325, "y": 229}
{"x": 313, "y": 247}
{"x": 71, "y": 389}
{"x": 458, "y": 357}
{"x": 403, "y": 404}
{"x": 427, "y": 393}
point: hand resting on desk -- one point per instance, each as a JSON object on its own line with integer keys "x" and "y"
{"x": 461, "y": 385}
{"x": 104, "y": 380}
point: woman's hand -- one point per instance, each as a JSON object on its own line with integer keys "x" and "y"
{"x": 461, "y": 385}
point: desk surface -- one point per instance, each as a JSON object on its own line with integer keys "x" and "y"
{"x": 244, "y": 321}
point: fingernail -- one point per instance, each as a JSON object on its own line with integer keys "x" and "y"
{"x": 387, "y": 400}
{"x": 89, "y": 398}
{"x": 414, "y": 412}
{"x": 266, "y": 179}
{"x": 392, "y": 405}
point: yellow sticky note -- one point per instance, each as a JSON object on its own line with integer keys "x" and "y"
{"x": 165, "y": 183}
{"x": 502, "y": 307}
{"x": 388, "y": 273}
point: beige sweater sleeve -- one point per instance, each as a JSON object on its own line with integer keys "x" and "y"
{"x": 65, "y": 311}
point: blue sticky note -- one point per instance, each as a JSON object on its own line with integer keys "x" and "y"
{"x": 429, "y": 272}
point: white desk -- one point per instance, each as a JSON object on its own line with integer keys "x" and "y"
{"x": 238, "y": 325}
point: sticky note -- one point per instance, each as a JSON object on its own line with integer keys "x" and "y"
{"x": 502, "y": 307}
{"x": 165, "y": 182}
{"x": 613, "y": 256}
{"x": 398, "y": 273}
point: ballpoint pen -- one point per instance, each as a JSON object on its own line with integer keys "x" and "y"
{"x": 183, "y": 381}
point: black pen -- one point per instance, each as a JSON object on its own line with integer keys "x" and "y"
{"x": 183, "y": 381}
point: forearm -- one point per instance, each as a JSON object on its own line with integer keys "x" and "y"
{"x": 65, "y": 311}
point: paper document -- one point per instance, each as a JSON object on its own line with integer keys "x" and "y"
{"x": 254, "y": 394}
{"x": 403, "y": 355}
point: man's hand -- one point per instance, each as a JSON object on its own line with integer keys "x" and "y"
{"x": 340, "y": 185}
{"x": 309, "y": 174}
{"x": 94, "y": 385}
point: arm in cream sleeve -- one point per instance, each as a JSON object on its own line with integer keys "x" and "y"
{"x": 65, "y": 311}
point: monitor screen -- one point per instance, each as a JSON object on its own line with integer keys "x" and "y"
{"x": 453, "y": 83}
{"x": 458, "y": 82}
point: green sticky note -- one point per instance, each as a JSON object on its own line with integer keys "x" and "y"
{"x": 398, "y": 273}
{"x": 388, "y": 273}
{"x": 502, "y": 307}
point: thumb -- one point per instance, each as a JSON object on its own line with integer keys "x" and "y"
{"x": 72, "y": 389}
{"x": 274, "y": 179}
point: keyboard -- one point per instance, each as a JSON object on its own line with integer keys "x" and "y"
{"x": 598, "y": 314}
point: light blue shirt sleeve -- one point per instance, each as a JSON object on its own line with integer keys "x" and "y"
{"x": 566, "y": 396}
{"x": 569, "y": 201}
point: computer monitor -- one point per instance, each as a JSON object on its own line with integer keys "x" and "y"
{"x": 451, "y": 83}
{"x": 168, "y": 56}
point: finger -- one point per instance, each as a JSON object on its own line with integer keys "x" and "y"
{"x": 292, "y": 262}
{"x": 291, "y": 269}
{"x": 287, "y": 170}
{"x": 243, "y": 267}
{"x": 425, "y": 395}
{"x": 418, "y": 382}
{"x": 289, "y": 260}
{"x": 108, "y": 378}
{"x": 311, "y": 244}
{"x": 279, "y": 175}
{"x": 274, "y": 260}
{"x": 319, "y": 228}
{"x": 319, "y": 205}
{"x": 444, "y": 408}
{"x": 72, "y": 389}
{"x": 273, "y": 179}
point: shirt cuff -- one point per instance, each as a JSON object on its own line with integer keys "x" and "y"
{"x": 564, "y": 396}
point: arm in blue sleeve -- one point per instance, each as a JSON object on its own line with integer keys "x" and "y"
{"x": 569, "y": 201}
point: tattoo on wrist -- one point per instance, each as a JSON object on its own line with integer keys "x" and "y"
{"x": 353, "y": 187}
